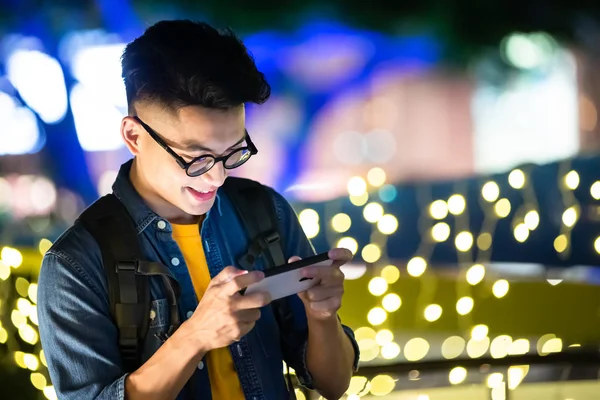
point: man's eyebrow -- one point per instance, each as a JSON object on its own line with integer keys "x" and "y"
{"x": 195, "y": 146}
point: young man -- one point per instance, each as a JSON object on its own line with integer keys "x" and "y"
{"x": 186, "y": 85}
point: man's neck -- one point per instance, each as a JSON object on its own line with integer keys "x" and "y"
{"x": 156, "y": 203}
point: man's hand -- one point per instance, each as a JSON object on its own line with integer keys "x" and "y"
{"x": 325, "y": 299}
{"x": 224, "y": 315}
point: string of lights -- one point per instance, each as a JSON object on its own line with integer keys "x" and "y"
{"x": 376, "y": 209}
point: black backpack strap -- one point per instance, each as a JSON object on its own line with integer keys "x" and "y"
{"x": 254, "y": 205}
{"x": 108, "y": 221}
{"x": 255, "y": 208}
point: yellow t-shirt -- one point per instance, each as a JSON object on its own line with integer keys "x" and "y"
{"x": 224, "y": 381}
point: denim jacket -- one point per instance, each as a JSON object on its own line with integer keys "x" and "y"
{"x": 79, "y": 337}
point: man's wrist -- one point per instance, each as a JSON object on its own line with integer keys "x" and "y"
{"x": 192, "y": 341}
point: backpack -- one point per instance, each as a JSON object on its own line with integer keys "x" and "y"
{"x": 128, "y": 272}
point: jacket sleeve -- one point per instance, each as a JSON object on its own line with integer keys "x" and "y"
{"x": 291, "y": 313}
{"x": 77, "y": 333}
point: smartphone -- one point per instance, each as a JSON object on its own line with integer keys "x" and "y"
{"x": 287, "y": 279}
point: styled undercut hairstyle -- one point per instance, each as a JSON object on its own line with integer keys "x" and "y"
{"x": 182, "y": 63}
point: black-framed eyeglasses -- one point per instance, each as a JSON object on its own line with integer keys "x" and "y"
{"x": 202, "y": 164}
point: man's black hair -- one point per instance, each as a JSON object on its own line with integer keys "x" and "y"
{"x": 181, "y": 63}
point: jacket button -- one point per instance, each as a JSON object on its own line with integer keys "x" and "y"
{"x": 175, "y": 261}
{"x": 161, "y": 224}
{"x": 201, "y": 365}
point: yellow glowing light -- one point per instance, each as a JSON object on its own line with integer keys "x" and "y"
{"x": 532, "y": 220}
{"x": 475, "y": 274}
{"x": 22, "y": 286}
{"x": 389, "y": 351}
{"x": 416, "y": 266}
{"x": 423, "y": 397}
{"x": 464, "y": 241}
{"x": 369, "y": 350}
{"x": 416, "y": 349}
{"x": 376, "y": 176}
{"x": 38, "y": 380}
{"x": 521, "y": 233}
{"x": 495, "y": 379}
{"x": 299, "y": 394}
{"x": 371, "y": 253}
{"x": 3, "y": 335}
{"x": 595, "y": 190}
{"x": 561, "y": 243}
{"x": 32, "y": 292}
{"x": 572, "y": 180}
{"x": 500, "y": 288}
{"x": 44, "y": 246}
{"x": 502, "y": 208}
{"x": 365, "y": 332}
{"x": 390, "y": 273}
{"x": 17, "y": 318}
{"x": 553, "y": 345}
{"x": 554, "y": 282}
{"x": 516, "y": 374}
{"x": 309, "y": 220}
{"x": 519, "y": 347}
{"x": 50, "y": 393}
{"x": 28, "y": 334}
{"x": 378, "y": 286}
{"x": 387, "y": 224}
{"x": 457, "y": 375}
{"x": 361, "y": 200}
{"x": 440, "y": 232}
{"x": 479, "y": 332}
{"x": 516, "y": 179}
{"x": 484, "y": 241}
{"x": 20, "y": 359}
{"x": 373, "y": 212}
{"x": 569, "y": 217}
{"x": 453, "y": 347}
{"x": 348, "y": 243}
{"x": 456, "y": 204}
{"x": 477, "y": 348}
{"x": 500, "y": 346}
{"x": 357, "y": 383}
{"x": 11, "y": 257}
{"x": 391, "y": 302}
{"x": 542, "y": 341}
{"x": 384, "y": 336}
{"x": 464, "y": 305}
{"x": 490, "y": 191}
{"x": 31, "y": 362}
{"x": 432, "y": 312}
{"x": 377, "y": 316}
{"x": 382, "y": 385}
{"x": 438, "y": 209}
{"x": 24, "y": 306}
{"x": 33, "y": 315}
{"x": 43, "y": 358}
{"x": 341, "y": 222}
{"x": 357, "y": 186}
{"x": 4, "y": 271}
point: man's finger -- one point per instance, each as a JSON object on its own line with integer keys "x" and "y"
{"x": 320, "y": 293}
{"x": 251, "y": 301}
{"x": 240, "y": 282}
{"x": 226, "y": 275}
{"x": 340, "y": 256}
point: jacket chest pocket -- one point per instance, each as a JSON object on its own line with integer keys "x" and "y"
{"x": 157, "y": 328}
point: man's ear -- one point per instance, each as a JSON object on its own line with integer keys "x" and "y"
{"x": 130, "y": 131}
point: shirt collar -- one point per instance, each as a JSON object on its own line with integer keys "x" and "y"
{"x": 136, "y": 206}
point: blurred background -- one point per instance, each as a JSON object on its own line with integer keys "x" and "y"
{"x": 452, "y": 146}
